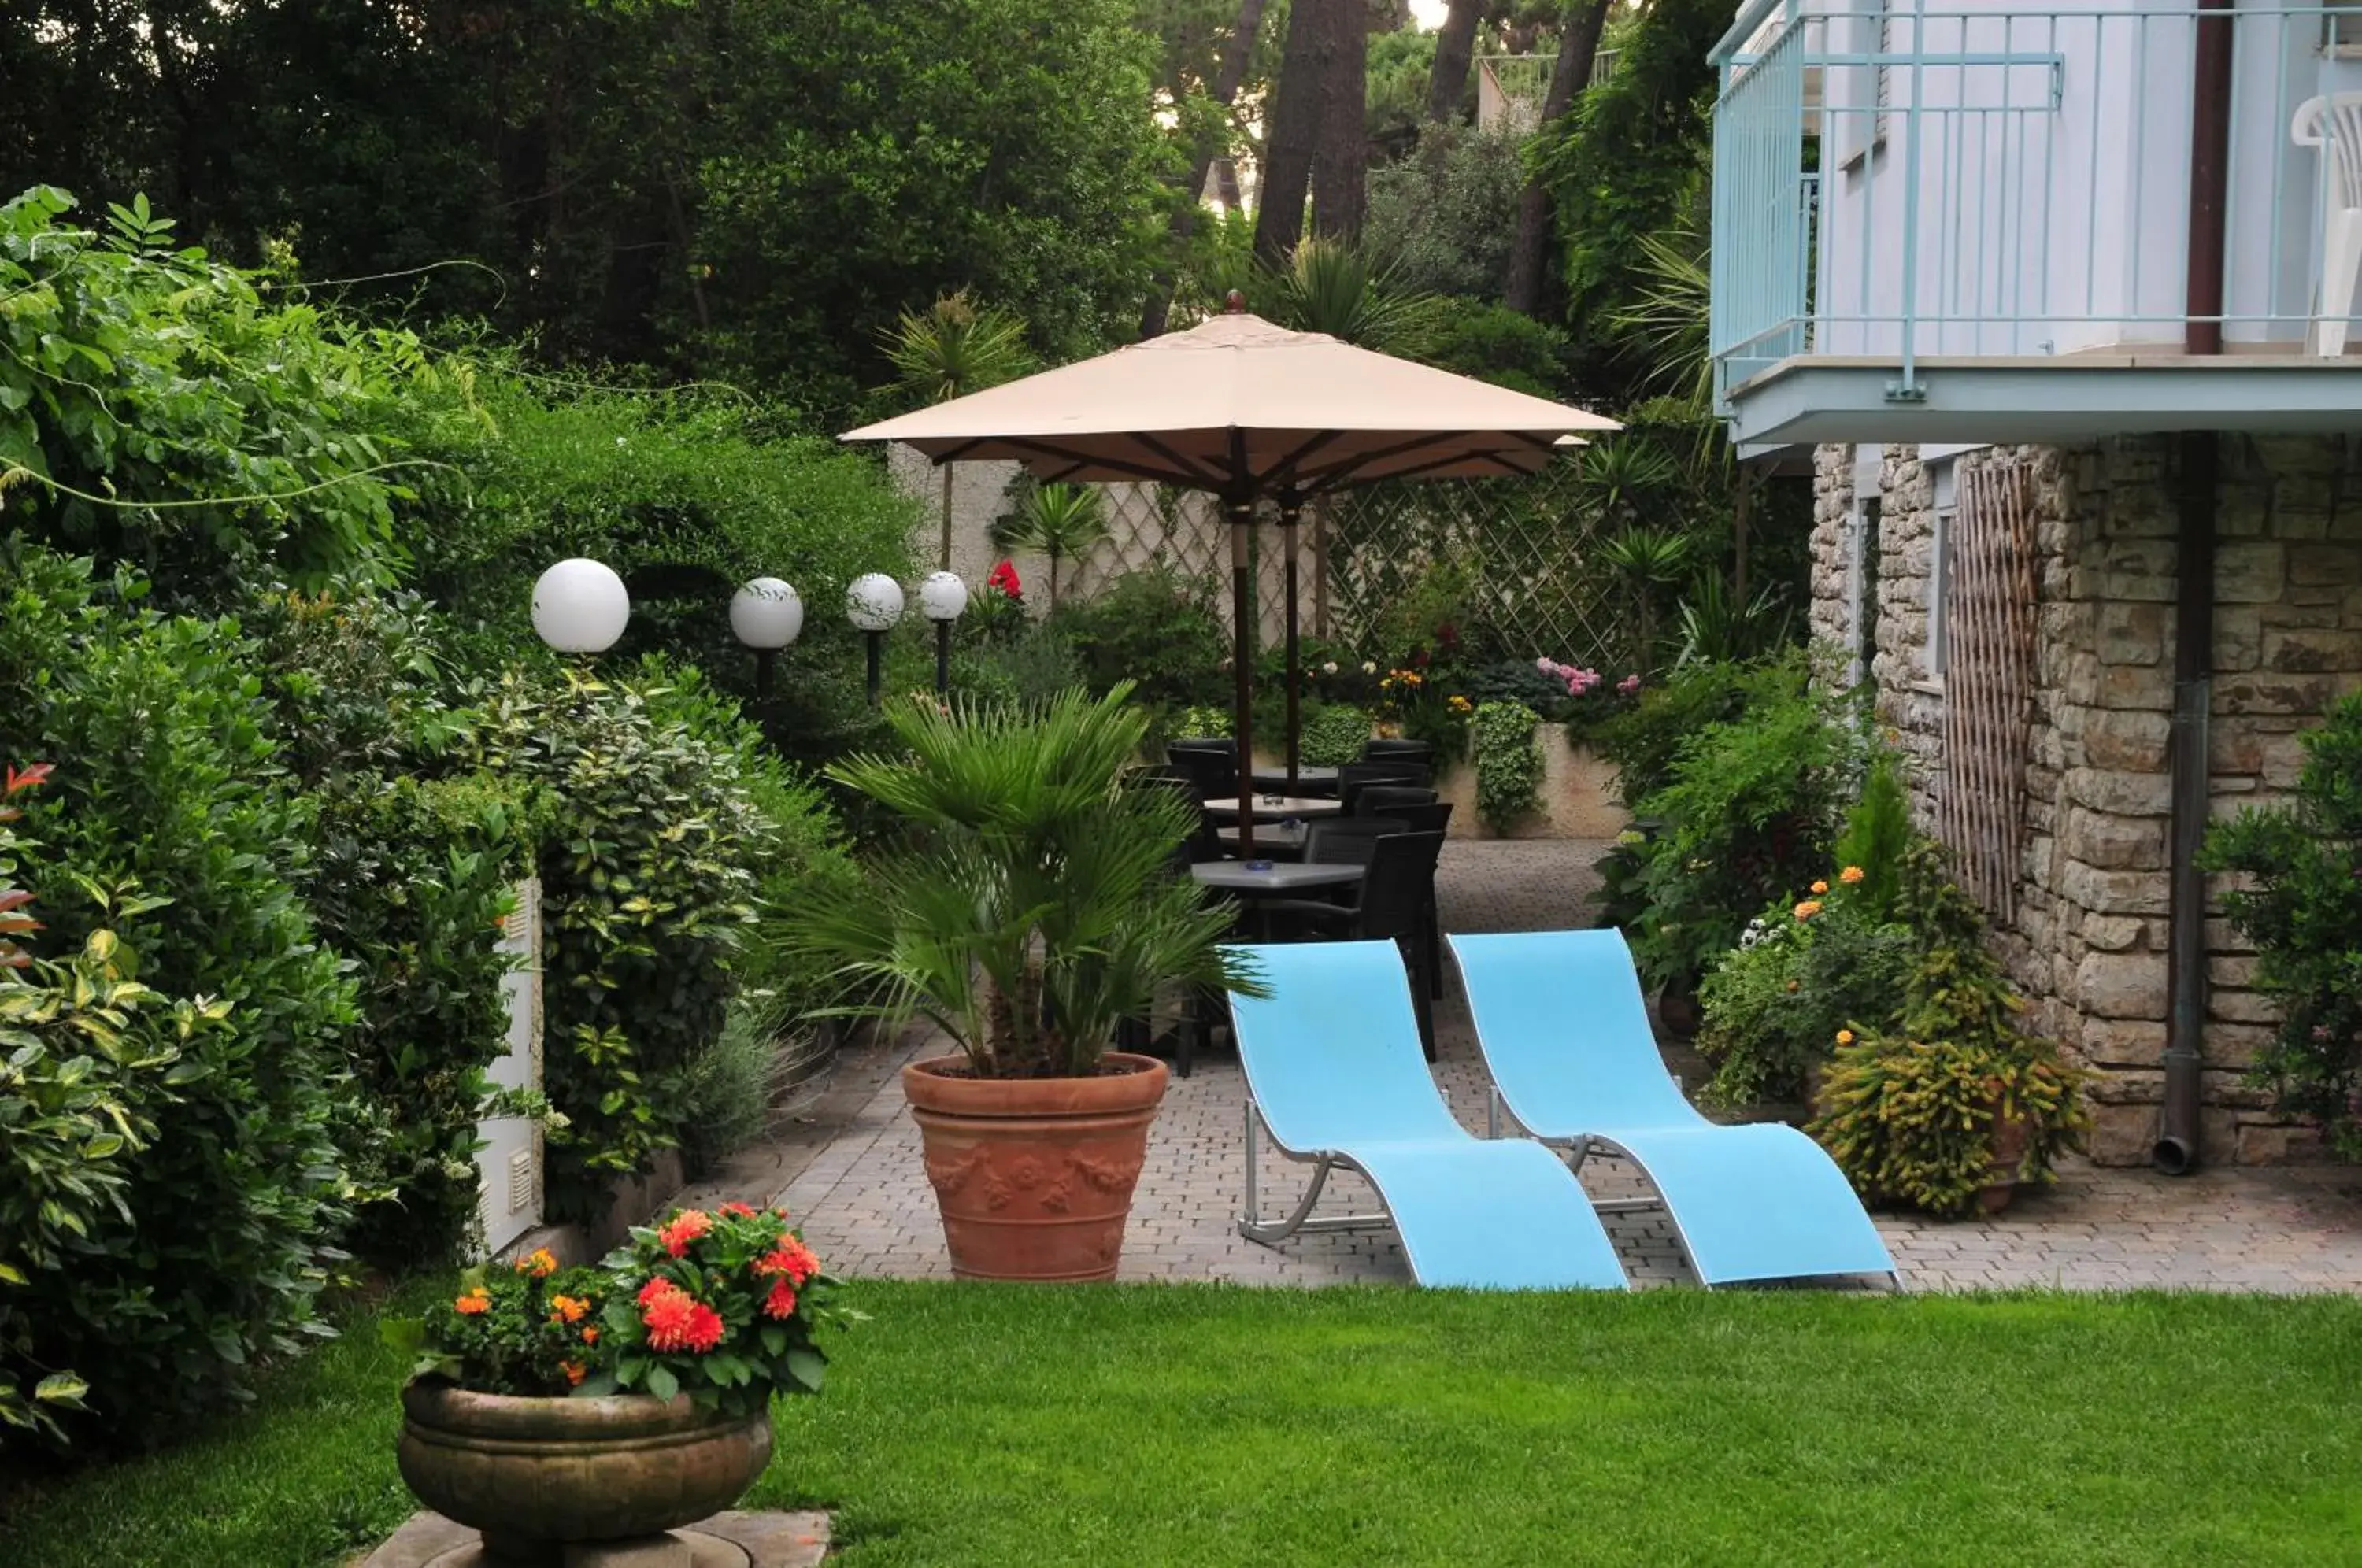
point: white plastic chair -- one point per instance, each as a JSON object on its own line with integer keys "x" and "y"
{"x": 2334, "y": 124}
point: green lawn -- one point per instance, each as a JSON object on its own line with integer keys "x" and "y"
{"x": 970, "y": 1425}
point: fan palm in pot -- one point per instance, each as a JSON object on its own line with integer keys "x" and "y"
{"x": 1029, "y": 907}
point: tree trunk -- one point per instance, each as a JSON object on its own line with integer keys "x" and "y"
{"x": 1578, "y": 45}
{"x": 1340, "y": 165}
{"x": 1455, "y": 46}
{"x": 1236, "y": 51}
{"x": 1294, "y": 130}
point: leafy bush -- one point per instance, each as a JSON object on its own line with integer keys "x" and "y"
{"x": 1335, "y": 734}
{"x": 157, "y": 412}
{"x": 1744, "y": 819}
{"x": 1445, "y": 215}
{"x": 1154, "y": 628}
{"x": 527, "y": 1330}
{"x": 646, "y": 888}
{"x": 1508, "y": 763}
{"x": 1508, "y": 347}
{"x": 216, "y": 1254}
{"x": 2302, "y": 906}
{"x": 1932, "y": 1111}
{"x": 1804, "y": 980}
{"x": 1644, "y": 742}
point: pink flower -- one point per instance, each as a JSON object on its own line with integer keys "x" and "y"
{"x": 1628, "y": 685}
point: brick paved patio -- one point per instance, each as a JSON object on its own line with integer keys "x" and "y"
{"x": 852, "y": 1175}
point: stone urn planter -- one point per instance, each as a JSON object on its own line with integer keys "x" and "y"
{"x": 538, "y": 1474}
{"x": 1034, "y": 1175}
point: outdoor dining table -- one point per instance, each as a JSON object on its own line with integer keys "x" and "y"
{"x": 1274, "y": 808}
{"x": 1256, "y": 881}
{"x": 1318, "y": 780}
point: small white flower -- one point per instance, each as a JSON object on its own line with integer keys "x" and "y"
{"x": 1368, "y": 667}
{"x": 1329, "y": 666}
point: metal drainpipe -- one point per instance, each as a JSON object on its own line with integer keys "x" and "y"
{"x": 2177, "y": 1150}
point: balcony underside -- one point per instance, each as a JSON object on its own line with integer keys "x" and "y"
{"x": 1811, "y": 399}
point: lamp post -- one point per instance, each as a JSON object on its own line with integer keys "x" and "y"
{"x": 579, "y": 606}
{"x": 873, "y": 601}
{"x": 943, "y": 598}
{"x": 766, "y": 616}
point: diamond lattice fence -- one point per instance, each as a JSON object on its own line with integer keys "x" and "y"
{"x": 1523, "y": 548}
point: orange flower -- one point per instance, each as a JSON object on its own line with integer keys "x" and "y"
{"x": 654, "y": 1287}
{"x": 1808, "y": 908}
{"x": 678, "y": 1320}
{"x": 537, "y": 1262}
{"x": 781, "y": 1302}
{"x": 738, "y": 1210}
{"x": 1820, "y": 887}
{"x": 686, "y": 1227}
{"x": 1850, "y": 876}
{"x": 589, "y": 1334}
{"x": 1845, "y": 1036}
{"x": 790, "y": 1258}
{"x": 567, "y": 1309}
{"x": 574, "y": 1371}
{"x": 475, "y": 1303}
{"x": 1793, "y": 983}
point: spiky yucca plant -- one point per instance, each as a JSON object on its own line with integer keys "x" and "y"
{"x": 953, "y": 348}
{"x": 1061, "y": 520}
{"x": 1031, "y": 907}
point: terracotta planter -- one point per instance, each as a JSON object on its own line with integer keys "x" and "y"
{"x": 1034, "y": 1175}
{"x": 534, "y": 1474}
{"x": 2010, "y": 1139}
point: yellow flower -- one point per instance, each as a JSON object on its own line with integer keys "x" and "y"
{"x": 1820, "y": 887}
{"x": 1808, "y": 908}
{"x": 1845, "y": 1036}
{"x": 1793, "y": 983}
{"x": 1850, "y": 876}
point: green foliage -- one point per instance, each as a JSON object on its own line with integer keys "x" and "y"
{"x": 1746, "y": 814}
{"x": 1206, "y": 722}
{"x": 1632, "y": 156}
{"x": 646, "y": 888}
{"x": 515, "y": 1328}
{"x": 1154, "y": 628}
{"x": 171, "y": 786}
{"x": 1444, "y": 216}
{"x": 956, "y": 347}
{"x": 1920, "y": 1113}
{"x": 1877, "y": 837}
{"x": 2300, "y": 904}
{"x": 1029, "y": 668}
{"x": 1796, "y": 989}
{"x": 1644, "y": 742}
{"x": 1494, "y": 343}
{"x": 1032, "y": 910}
{"x": 156, "y": 409}
{"x": 1333, "y": 736}
{"x": 646, "y": 482}
{"x": 1508, "y": 763}
{"x": 1060, "y": 521}
{"x": 85, "y": 1053}
{"x": 1349, "y": 292}
{"x": 1715, "y": 626}
{"x": 412, "y": 879}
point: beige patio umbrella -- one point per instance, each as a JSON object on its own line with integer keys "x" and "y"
{"x": 1245, "y": 410}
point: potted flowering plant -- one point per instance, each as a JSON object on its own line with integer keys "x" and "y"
{"x": 551, "y": 1405}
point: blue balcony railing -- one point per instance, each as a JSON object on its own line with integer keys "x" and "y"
{"x": 1901, "y": 182}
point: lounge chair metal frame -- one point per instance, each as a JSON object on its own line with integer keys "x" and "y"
{"x": 1271, "y": 1232}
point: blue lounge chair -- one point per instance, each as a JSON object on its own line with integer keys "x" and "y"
{"x": 1566, "y": 1036}
{"x": 1335, "y": 1071}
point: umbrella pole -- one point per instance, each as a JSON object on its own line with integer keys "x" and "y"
{"x": 1242, "y": 518}
{"x": 1288, "y": 509}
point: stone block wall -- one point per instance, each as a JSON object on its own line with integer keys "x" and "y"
{"x": 2088, "y": 938}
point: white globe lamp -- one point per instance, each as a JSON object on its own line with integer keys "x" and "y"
{"x": 874, "y": 603}
{"x": 766, "y": 614}
{"x": 579, "y": 606}
{"x": 943, "y": 598}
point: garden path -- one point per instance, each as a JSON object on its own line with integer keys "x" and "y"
{"x": 849, "y": 1170}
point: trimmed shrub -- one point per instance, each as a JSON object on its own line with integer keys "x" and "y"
{"x": 216, "y": 1255}
{"x": 1508, "y": 763}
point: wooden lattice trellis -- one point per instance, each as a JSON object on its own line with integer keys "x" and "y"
{"x": 1989, "y": 680}
{"x": 1525, "y": 546}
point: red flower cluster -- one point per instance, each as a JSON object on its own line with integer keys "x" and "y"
{"x": 686, "y": 1228}
{"x": 790, "y": 1258}
{"x": 676, "y": 1320}
{"x": 1004, "y": 578}
{"x": 781, "y": 1302}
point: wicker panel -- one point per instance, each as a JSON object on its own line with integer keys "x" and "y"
{"x": 1988, "y": 681}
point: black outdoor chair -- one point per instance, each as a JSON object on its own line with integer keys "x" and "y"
{"x": 1395, "y": 893}
{"x": 1201, "y": 845}
{"x": 1356, "y": 777}
{"x": 1382, "y": 749}
{"x": 1380, "y": 800}
{"x": 1212, "y": 766}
